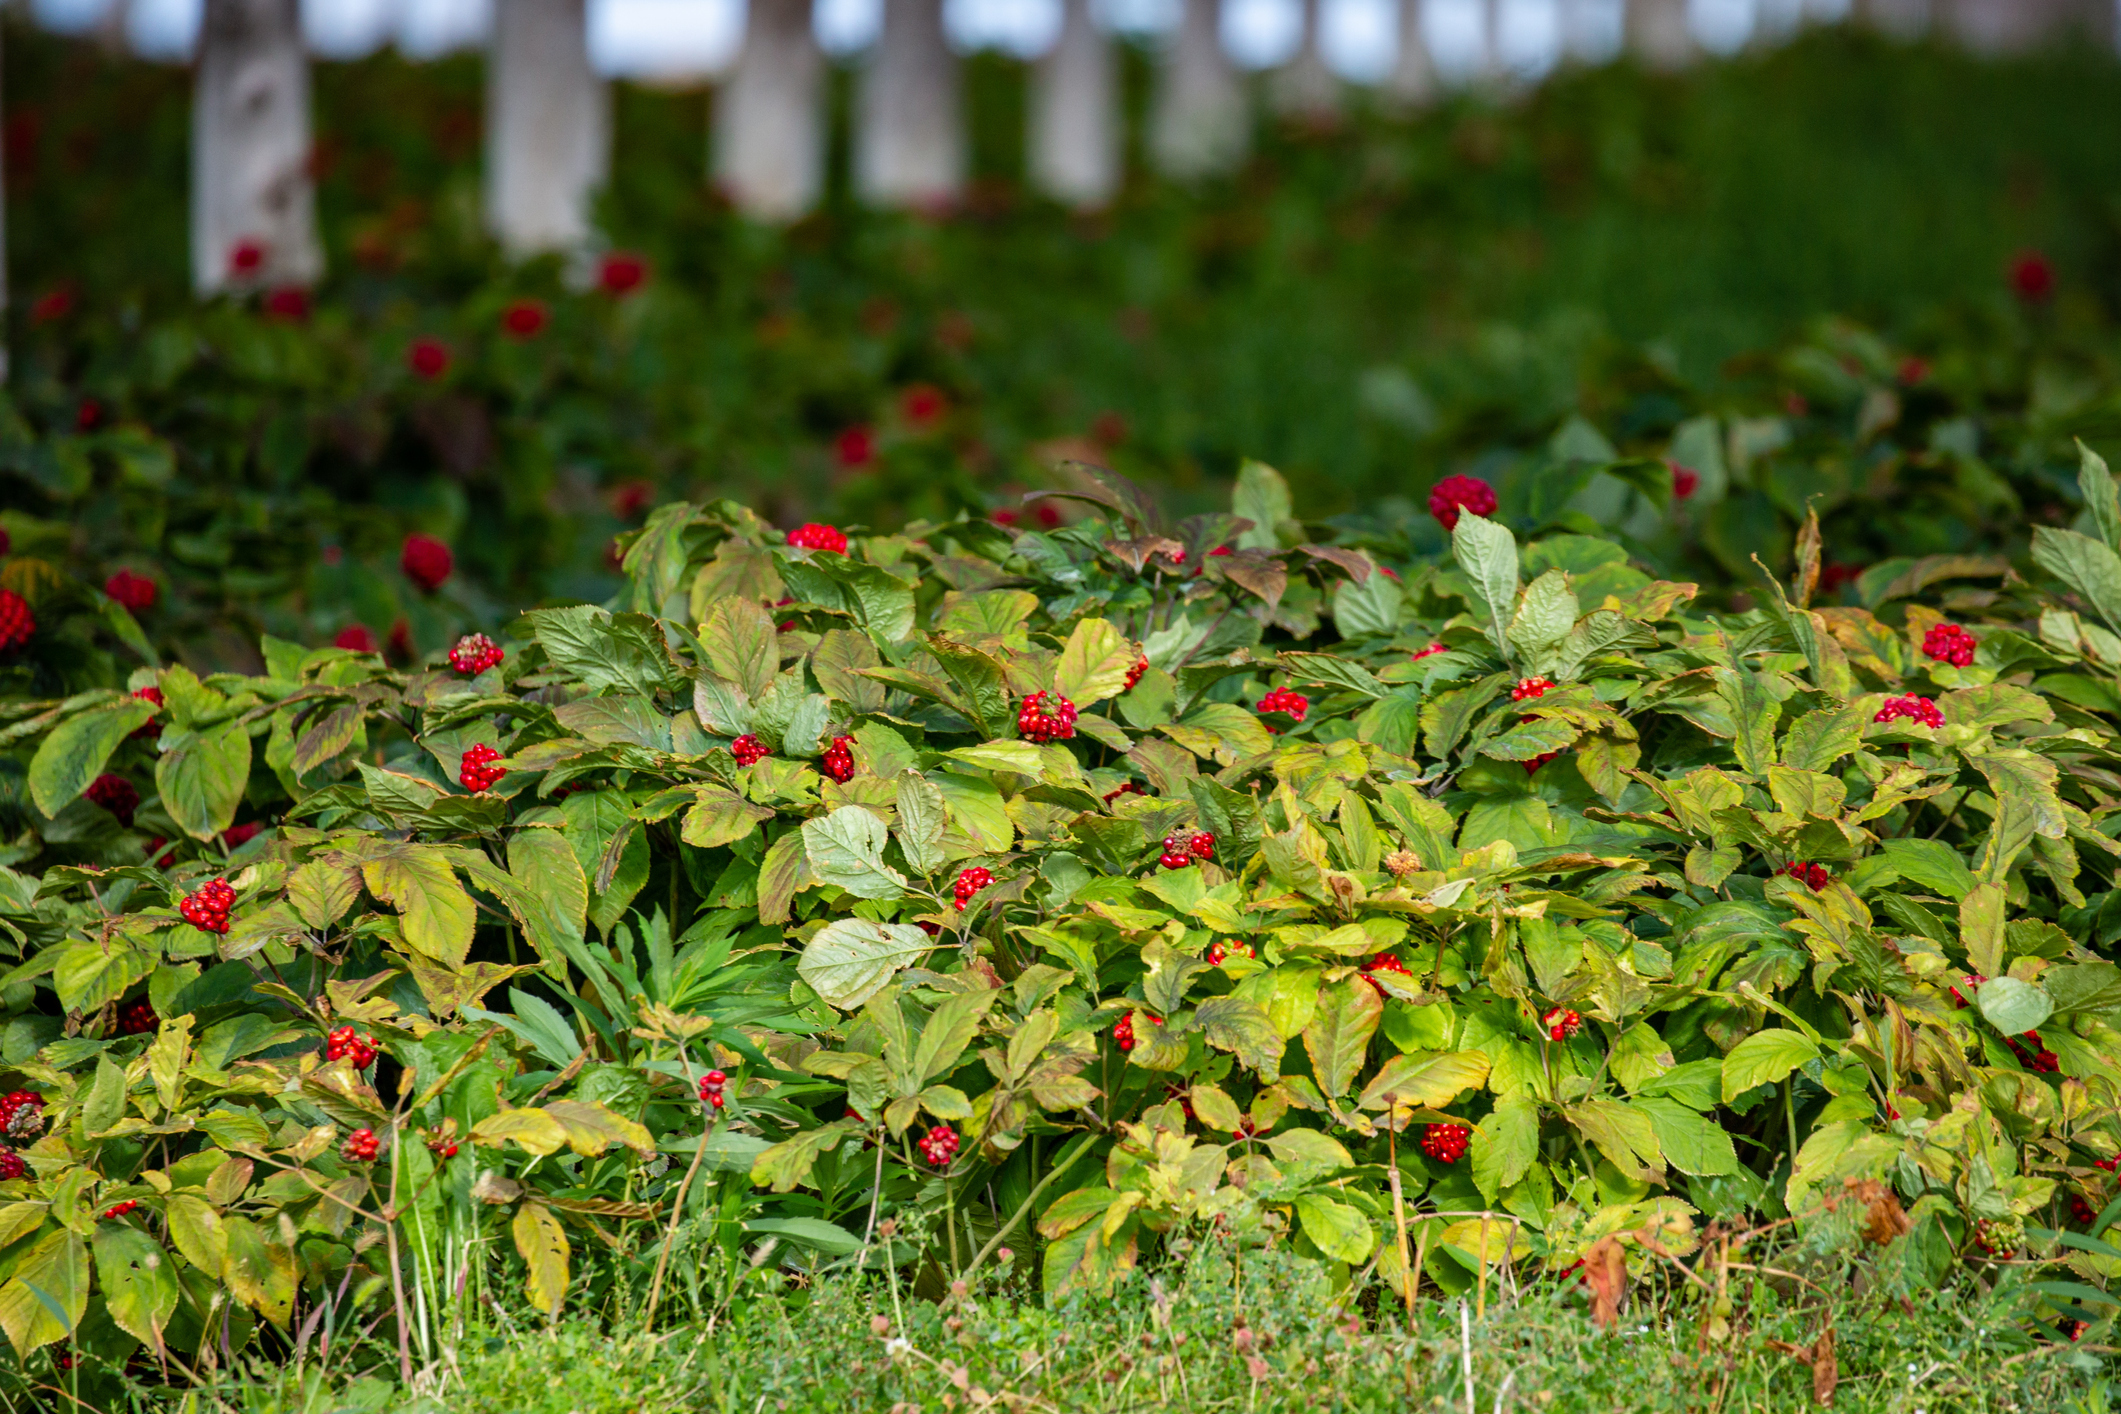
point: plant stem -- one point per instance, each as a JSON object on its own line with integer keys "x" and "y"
{"x": 1018, "y": 1216}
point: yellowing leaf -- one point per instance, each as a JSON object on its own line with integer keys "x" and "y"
{"x": 435, "y": 914}
{"x": 543, "y": 1243}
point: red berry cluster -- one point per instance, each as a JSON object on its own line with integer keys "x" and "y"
{"x": 1134, "y": 674}
{"x": 1429, "y": 652}
{"x": 119, "y": 1210}
{"x": 148, "y": 727}
{"x": 1446, "y": 1143}
{"x": 478, "y": 772}
{"x": 1561, "y": 1024}
{"x": 1384, "y": 962}
{"x": 426, "y": 561}
{"x": 1454, "y": 494}
{"x": 12, "y": 1166}
{"x": 2108, "y": 1164}
{"x": 474, "y": 654}
{"x": 970, "y": 883}
{"x": 1812, "y": 876}
{"x": 838, "y": 760}
{"x": 344, "y": 1043}
{"x": 1972, "y": 980}
{"x": 2081, "y": 1212}
{"x": 1186, "y": 846}
{"x": 1293, "y": 705}
{"x": 939, "y": 1146}
{"x": 2032, "y": 1055}
{"x": 748, "y": 750}
{"x": 1912, "y": 708}
{"x": 1949, "y": 643}
{"x": 1123, "y": 1030}
{"x": 712, "y": 1088}
{"x": 441, "y": 1146}
{"x": 1035, "y": 723}
{"x": 21, "y": 1116}
{"x": 115, "y": 794}
{"x": 813, "y": 536}
{"x": 1125, "y": 788}
{"x": 1685, "y": 481}
{"x": 135, "y": 591}
{"x": 524, "y": 318}
{"x": 1219, "y": 950}
{"x": 138, "y": 1018}
{"x": 207, "y": 909}
{"x": 361, "y": 1147}
{"x": 17, "y": 623}
{"x": 1528, "y": 688}
{"x": 1533, "y": 765}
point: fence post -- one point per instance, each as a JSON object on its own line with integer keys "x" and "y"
{"x": 1412, "y": 83}
{"x": 910, "y": 140}
{"x": 1202, "y": 124}
{"x": 769, "y": 126}
{"x": 2003, "y": 26}
{"x": 1902, "y": 19}
{"x": 1304, "y": 87}
{"x": 253, "y": 215}
{"x": 1658, "y": 33}
{"x": 548, "y": 127}
{"x": 1075, "y": 138}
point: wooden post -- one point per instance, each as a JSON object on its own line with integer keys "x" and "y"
{"x": 253, "y": 214}
{"x": 1412, "y": 83}
{"x": 1305, "y": 88}
{"x": 1902, "y": 19}
{"x": 1075, "y": 137}
{"x": 1658, "y": 34}
{"x": 910, "y": 144}
{"x": 1202, "y": 123}
{"x": 2003, "y": 26}
{"x": 769, "y": 127}
{"x": 548, "y": 128}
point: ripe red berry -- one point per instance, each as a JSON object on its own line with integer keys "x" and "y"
{"x": 1972, "y": 980}
{"x": 1529, "y": 688}
{"x": 1812, "y": 876}
{"x": 361, "y": 1147}
{"x": 748, "y": 750}
{"x": 478, "y": 773}
{"x": 1046, "y": 716}
{"x": 923, "y": 404}
{"x": 1219, "y": 950}
{"x": 474, "y": 654}
{"x": 1134, "y": 674}
{"x": 135, "y": 591}
{"x": 854, "y": 448}
{"x": 207, "y": 908}
{"x": 289, "y": 304}
{"x": 1429, "y": 652}
{"x": 21, "y": 1116}
{"x": 1454, "y": 494}
{"x": 2032, "y": 277}
{"x": 138, "y": 1018}
{"x": 524, "y": 319}
{"x": 442, "y": 1146}
{"x": 148, "y": 727}
{"x": 426, "y": 561}
{"x": 838, "y": 760}
{"x": 1123, "y": 1030}
{"x": 427, "y": 358}
{"x": 119, "y": 1210}
{"x": 621, "y": 272}
{"x": 1446, "y": 1143}
{"x": 1561, "y": 1024}
{"x": 814, "y": 536}
{"x": 969, "y": 883}
{"x": 12, "y": 1166}
{"x": 17, "y": 623}
{"x": 236, "y": 836}
{"x": 939, "y": 1146}
{"x": 53, "y": 304}
{"x": 246, "y": 256}
{"x": 1202, "y": 846}
{"x": 1124, "y": 788}
{"x": 346, "y": 1044}
{"x": 115, "y": 794}
{"x": 1185, "y": 848}
{"x": 1384, "y": 962}
{"x": 712, "y": 1089}
{"x": 1949, "y": 643}
{"x": 1293, "y": 705}
{"x": 1541, "y": 759}
{"x": 1685, "y": 481}
{"x": 1910, "y": 708}
{"x": 355, "y": 638}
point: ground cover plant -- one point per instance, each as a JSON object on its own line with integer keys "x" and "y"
{"x": 1503, "y": 290}
{"x": 1092, "y": 892}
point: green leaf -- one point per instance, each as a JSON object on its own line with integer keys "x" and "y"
{"x": 785, "y": 1166}
{"x": 1339, "y": 1230}
{"x": 1506, "y": 1143}
{"x": 1487, "y": 552}
{"x": 719, "y": 816}
{"x": 2090, "y": 567}
{"x": 781, "y": 873}
{"x": 1262, "y": 497}
{"x": 1094, "y": 663}
{"x": 1932, "y": 864}
{"x": 740, "y": 644}
{"x": 79, "y": 748}
{"x": 553, "y": 903}
{"x": 90, "y": 973}
{"x": 814, "y": 1233}
{"x": 605, "y": 653}
{"x": 47, "y": 1296}
{"x": 435, "y": 914}
{"x": 1545, "y": 616}
{"x": 841, "y": 657}
{"x": 846, "y": 850}
{"x": 1762, "y": 1059}
{"x": 1692, "y": 1143}
{"x": 2026, "y": 805}
{"x": 1371, "y": 607}
{"x": 201, "y": 774}
{"x": 139, "y": 1281}
{"x": 1340, "y": 1031}
{"x": 1981, "y": 932}
{"x": 2012, "y": 1006}
{"x": 850, "y": 959}
{"x": 922, "y": 819}
{"x": 949, "y": 1029}
{"x": 977, "y": 812}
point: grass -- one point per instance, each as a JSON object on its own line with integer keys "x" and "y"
{"x": 1186, "y": 1337}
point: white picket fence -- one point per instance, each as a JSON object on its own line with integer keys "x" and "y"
{"x": 550, "y": 62}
